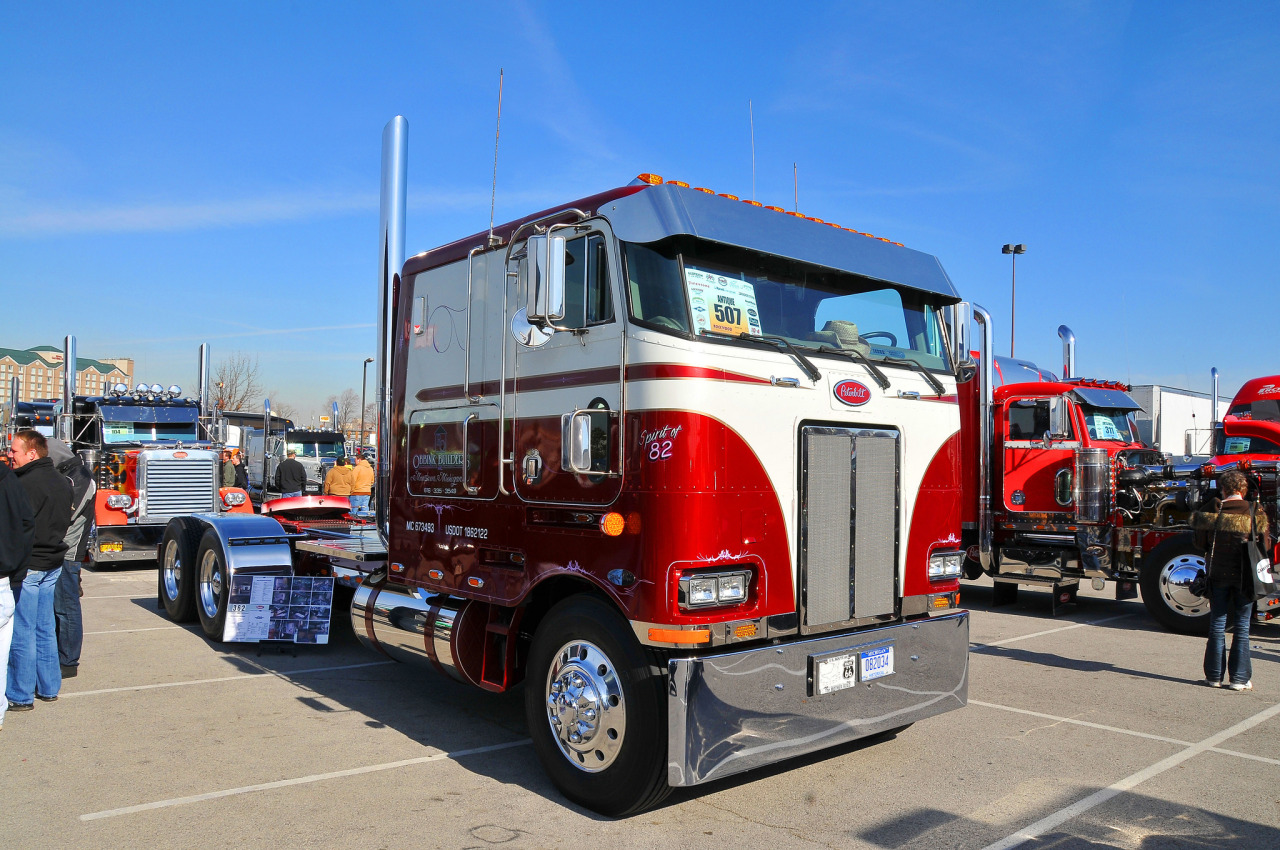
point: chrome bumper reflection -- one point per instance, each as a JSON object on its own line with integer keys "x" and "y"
{"x": 740, "y": 710}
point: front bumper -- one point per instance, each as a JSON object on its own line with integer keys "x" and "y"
{"x": 135, "y": 542}
{"x": 735, "y": 711}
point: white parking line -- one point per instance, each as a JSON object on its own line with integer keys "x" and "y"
{"x": 126, "y": 631}
{"x": 1050, "y": 631}
{"x": 301, "y": 780}
{"x": 1074, "y": 722}
{"x": 1061, "y": 816}
{"x": 282, "y": 674}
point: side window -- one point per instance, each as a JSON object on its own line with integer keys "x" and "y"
{"x": 588, "y": 299}
{"x": 1029, "y": 419}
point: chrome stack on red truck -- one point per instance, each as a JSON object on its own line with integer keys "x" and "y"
{"x": 687, "y": 467}
{"x": 1059, "y": 488}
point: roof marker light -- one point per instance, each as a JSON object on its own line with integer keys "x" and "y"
{"x": 753, "y": 203}
{"x": 651, "y": 179}
{"x": 679, "y": 183}
{"x": 775, "y": 209}
{"x": 730, "y": 197}
{"x": 701, "y": 189}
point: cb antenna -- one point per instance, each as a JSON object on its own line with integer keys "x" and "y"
{"x": 751, "y": 116}
{"x": 795, "y": 180}
{"x": 493, "y": 196}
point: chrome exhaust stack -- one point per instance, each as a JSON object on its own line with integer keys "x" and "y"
{"x": 1068, "y": 351}
{"x": 986, "y": 404}
{"x": 334, "y": 417}
{"x": 202, "y": 391}
{"x": 395, "y": 170}
{"x": 1213, "y": 406}
{"x": 64, "y": 424}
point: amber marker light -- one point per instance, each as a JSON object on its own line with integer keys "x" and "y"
{"x": 730, "y": 197}
{"x": 680, "y": 183}
{"x": 753, "y": 203}
{"x": 679, "y": 635}
{"x": 775, "y": 209}
{"x": 701, "y": 189}
{"x": 613, "y": 523}
{"x": 651, "y": 179}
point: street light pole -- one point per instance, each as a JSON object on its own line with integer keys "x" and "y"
{"x": 364, "y": 379}
{"x": 1015, "y": 250}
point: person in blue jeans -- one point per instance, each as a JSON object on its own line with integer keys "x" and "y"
{"x": 1221, "y": 535}
{"x": 33, "y": 656}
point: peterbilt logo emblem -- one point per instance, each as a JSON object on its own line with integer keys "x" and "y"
{"x": 852, "y": 393}
{"x": 179, "y": 455}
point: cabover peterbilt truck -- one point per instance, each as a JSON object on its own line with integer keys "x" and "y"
{"x": 686, "y": 466}
{"x": 153, "y": 454}
{"x": 317, "y": 449}
{"x": 1059, "y": 488}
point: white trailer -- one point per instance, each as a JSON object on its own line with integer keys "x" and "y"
{"x": 1177, "y": 421}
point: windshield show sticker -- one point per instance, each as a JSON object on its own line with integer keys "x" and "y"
{"x": 852, "y": 393}
{"x": 721, "y": 304}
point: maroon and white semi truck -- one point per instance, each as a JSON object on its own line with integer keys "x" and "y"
{"x": 686, "y": 467}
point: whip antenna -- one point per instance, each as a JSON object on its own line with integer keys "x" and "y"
{"x": 497, "y": 132}
{"x": 795, "y": 181}
{"x": 751, "y": 116}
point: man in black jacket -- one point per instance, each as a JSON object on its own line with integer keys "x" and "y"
{"x": 291, "y": 476}
{"x": 66, "y": 599}
{"x": 33, "y": 657}
{"x": 17, "y": 527}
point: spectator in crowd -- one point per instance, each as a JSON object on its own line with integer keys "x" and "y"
{"x": 339, "y": 480}
{"x": 17, "y": 528}
{"x": 291, "y": 476}
{"x": 362, "y": 486}
{"x": 239, "y": 478}
{"x": 1221, "y": 534}
{"x": 66, "y": 597}
{"x": 33, "y": 656}
{"x": 228, "y": 470}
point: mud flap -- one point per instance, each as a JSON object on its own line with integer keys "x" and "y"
{"x": 1064, "y": 594}
{"x": 1004, "y": 593}
{"x": 1126, "y": 589}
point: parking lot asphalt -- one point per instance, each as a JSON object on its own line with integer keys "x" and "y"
{"x": 1084, "y": 730}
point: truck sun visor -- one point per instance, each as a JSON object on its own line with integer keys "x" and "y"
{"x": 1109, "y": 399}
{"x": 146, "y": 413}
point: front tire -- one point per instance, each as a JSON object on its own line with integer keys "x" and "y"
{"x": 1166, "y": 579}
{"x": 213, "y": 585}
{"x": 596, "y": 710}
{"x": 177, "y": 573}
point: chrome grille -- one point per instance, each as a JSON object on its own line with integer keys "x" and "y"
{"x": 174, "y": 487}
{"x": 849, "y": 526}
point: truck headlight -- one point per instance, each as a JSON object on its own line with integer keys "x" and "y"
{"x": 119, "y": 500}
{"x": 232, "y": 499}
{"x": 945, "y": 565}
{"x": 702, "y": 590}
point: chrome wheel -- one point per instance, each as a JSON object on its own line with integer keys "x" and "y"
{"x": 171, "y": 570}
{"x": 585, "y": 706}
{"x": 210, "y": 583}
{"x": 1174, "y": 583}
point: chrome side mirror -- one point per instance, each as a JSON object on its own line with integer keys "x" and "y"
{"x": 542, "y": 274}
{"x": 961, "y": 330}
{"x": 1057, "y": 418}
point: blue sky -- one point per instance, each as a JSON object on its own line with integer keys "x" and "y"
{"x": 179, "y": 173}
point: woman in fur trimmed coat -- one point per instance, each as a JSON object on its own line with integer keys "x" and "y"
{"x": 1222, "y": 534}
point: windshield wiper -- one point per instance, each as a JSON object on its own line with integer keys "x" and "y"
{"x": 777, "y": 342}
{"x": 928, "y": 376}
{"x": 858, "y": 356}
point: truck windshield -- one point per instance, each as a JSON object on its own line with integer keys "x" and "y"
{"x": 318, "y": 449}
{"x": 687, "y": 287}
{"x": 1111, "y": 424}
{"x": 1224, "y": 445}
{"x": 140, "y": 424}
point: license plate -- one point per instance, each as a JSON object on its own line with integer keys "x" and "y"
{"x": 111, "y": 547}
{"x": 836, "y": 673}
{"x": 875, "y": 663}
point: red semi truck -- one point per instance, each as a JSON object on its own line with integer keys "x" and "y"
{"x": 686, "y": 466}
{"x": 1059, "y": 488}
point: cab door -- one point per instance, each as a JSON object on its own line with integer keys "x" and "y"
{"x": 1031, "y": 463}
{"x": 567, "y": 382}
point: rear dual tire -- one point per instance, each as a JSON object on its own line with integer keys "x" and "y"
{"x": 176, "y": 577}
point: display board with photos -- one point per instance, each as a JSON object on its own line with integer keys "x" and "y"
{"x": 288, "y": 608}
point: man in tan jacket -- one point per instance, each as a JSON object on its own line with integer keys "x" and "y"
{"x": 362, "y": 488}
{"x": 339, "y": 480}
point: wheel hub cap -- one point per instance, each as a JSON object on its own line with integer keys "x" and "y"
{"x": 1175, "y": 585}
{"x": 172, "y": 570}
{"x": 210, "y": 584}
{"x": 585, "y": 706}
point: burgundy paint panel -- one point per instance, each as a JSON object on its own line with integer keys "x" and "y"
{"x": 935, "y": 521}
